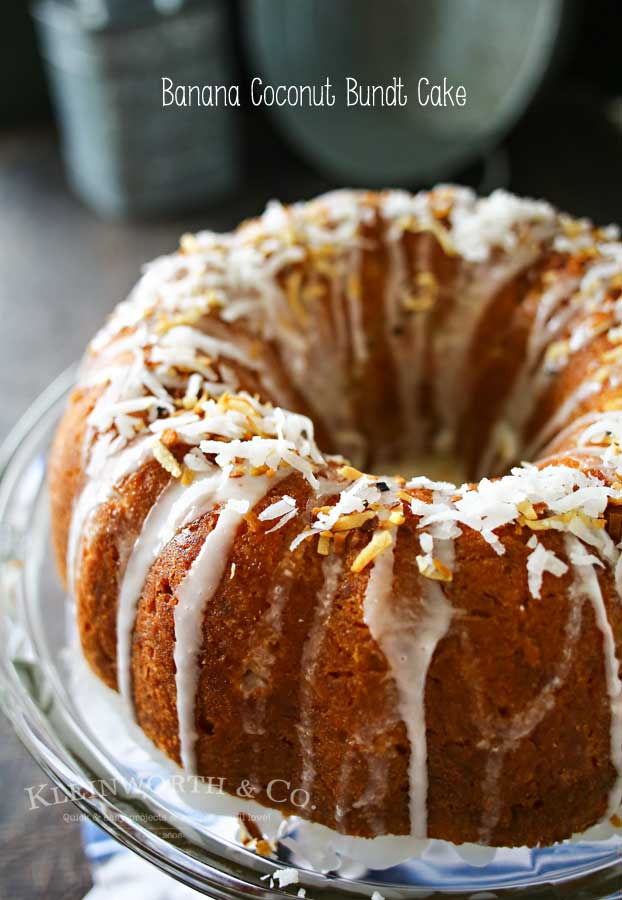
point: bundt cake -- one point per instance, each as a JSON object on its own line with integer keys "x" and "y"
{"x": 393, "y": 654}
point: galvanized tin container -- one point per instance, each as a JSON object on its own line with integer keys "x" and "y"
{"x": 126, "y": 155}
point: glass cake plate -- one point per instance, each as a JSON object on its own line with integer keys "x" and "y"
{"x": 75, "y": 730}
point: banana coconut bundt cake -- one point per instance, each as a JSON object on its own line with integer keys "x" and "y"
{"x": 413, "y": 655}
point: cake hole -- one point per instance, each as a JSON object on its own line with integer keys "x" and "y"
{"x": 437, "y": 467}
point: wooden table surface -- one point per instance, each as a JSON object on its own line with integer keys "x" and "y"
{"x": 61, "y": 270}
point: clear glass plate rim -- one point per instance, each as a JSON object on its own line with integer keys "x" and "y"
{"x": 65, "y": 770}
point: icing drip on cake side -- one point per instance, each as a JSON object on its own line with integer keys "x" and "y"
{"x": 153, "y": 535}
{"x": 194, "y": 593}
{"x": 177, "y": 506}
{"x": 501, "y": 742}
{"x": 587, "y": 585}
{"x": 100, "y": 483}
{"x": 409, "y": 642}
{"x": 570, "y": 314}
{"x": 405, "y": 332}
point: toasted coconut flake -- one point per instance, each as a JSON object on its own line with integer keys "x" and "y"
{"x": 353, "y": 520}
{"x": 191, "y": 317}
{"x": 354, "y": 286}
{"x": 293, "y": 284}
{"x": 323, "y": 544}
{"x": 380, "y": 541}
{"x": 613, "y": 355}
{"x": 166, "y": 459}
{"x": 339, "y": 541}
{"x": 187, "y": 476}
{"x": 557, "y": 352}
{"x": 425, "y": 296}
{"x": 427, "y": 279}
{"x": 572, "y": 227}
{"x": 441, "y": 234}
{"x": 196, "y": 461}
{"x": 313, "y": 291}
{"x": 169, "y": 437}
{"x": 350, "y": 472}
{"x": 602, "y": 374}
{"x": 189, "y": 243}
{"x": 397, "y": 517}
{"x": 263, "y": 848}
{"x": 527, "y": 510}
{"x": 434, "y": 569}
{"x": 558, "y": 521}
{"x": 418, "y": 302}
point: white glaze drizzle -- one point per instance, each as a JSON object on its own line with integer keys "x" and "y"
{"x": 101, "y": 481}
{"x": 505, "y": 737}
{"x": 472, "y": 298}
{"x": 354, "y": 297}
{"x": 518, "y": 404}
{"x": 407, "y": 347}
{"x": 194, "y": 593}
{"x": 555, "y": 426}
{"x": 176, "y": 506}
{"x": 587, "y": 584}
{"x": 584, "y": 297}
{"x": 340, "y": 413}
{"x": 409, "y": 646}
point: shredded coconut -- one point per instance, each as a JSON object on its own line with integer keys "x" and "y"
{"x": 285, "y": 877}
{"x": 540, "y": 561}
{"x": 284, "y": 509}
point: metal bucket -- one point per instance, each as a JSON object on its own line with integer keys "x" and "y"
{"x": 126, "y": 155}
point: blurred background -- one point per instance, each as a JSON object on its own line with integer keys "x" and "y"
{"x": 96, "y": 176}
